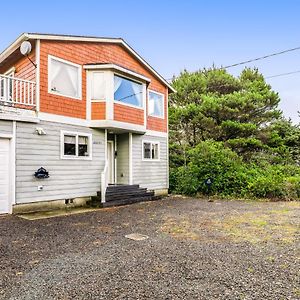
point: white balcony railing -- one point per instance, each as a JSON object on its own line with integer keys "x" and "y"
{"x": 16, "y": 92}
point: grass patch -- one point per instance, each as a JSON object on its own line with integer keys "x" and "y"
{"x": 279, "y": 223}
{"x": 256, "y": 227}
{"x": 179, "y": 229}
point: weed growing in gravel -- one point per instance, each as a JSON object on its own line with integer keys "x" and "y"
{"x": 179, "y": 229}
{"x": 277, "y": 225}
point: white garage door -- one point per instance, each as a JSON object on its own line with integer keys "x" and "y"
{"x": 4, "y": 176}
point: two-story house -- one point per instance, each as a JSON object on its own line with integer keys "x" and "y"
{"x": 90, "y": 111}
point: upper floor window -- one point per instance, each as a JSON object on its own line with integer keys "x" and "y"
{"x": 98, "y": 86}
{"x": 128, "y": 91}
{"x": 156, "y": 104}
{"x": 64, "y": 78}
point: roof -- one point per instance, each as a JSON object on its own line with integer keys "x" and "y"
{"x": 61, "y": 37}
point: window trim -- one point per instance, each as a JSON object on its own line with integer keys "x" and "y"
{"x": 150, "y": 159}
{"x": 50, "y": 58}
{"x": 148, "y": 98}
{"x": 76, "y": 134}
{"x": 133, "y": 80}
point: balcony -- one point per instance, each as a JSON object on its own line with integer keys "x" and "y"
{"x": 17, "y": 97}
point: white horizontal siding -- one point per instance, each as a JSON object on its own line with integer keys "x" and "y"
{"x": 6, "y": 127}
{"x": 68, "y": 178}
{"x": 150, "y": 174}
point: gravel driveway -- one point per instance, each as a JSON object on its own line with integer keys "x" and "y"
{"x": 196, "y": 250}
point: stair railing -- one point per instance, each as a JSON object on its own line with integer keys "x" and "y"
{"x": 104, "y": 182}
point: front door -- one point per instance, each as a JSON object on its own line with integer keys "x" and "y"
{"x": 111, "y": 162}
{"x": 4, "y": 176}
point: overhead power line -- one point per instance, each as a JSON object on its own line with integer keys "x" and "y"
{"x": 282, "y": 74}
{"x": 261, "y": 58}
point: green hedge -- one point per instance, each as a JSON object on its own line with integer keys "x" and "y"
{"x": 233, "y": 177}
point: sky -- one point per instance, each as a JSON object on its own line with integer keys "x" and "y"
{"x": 177, "y": 35}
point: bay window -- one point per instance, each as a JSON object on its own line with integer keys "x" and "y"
{"x": 155, "y": 104}
{"x": 127, "y": 91}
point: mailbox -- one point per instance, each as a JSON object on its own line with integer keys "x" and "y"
{"x": 41, "y": 173}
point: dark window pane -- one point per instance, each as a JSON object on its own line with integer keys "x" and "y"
{"x": 147, "y": 150}
{"x": 83, "y": 146}
{"x": 69, "y": 145}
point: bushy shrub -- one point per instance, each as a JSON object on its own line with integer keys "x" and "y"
{"x": 232, "y": 176}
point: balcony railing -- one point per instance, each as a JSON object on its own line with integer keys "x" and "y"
{"x": 16, "y": 92}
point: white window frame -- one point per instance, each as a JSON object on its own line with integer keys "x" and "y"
{"x": 151, "y": 143}
{"x": 76, "y": 134}
{"x": 148, "y": 98}
{"x": 134, "y": 80}
{"x": 79, "y": 70}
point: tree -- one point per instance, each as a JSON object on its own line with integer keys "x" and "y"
{"x": 230, "y": 129}
{"x": 212, "y": 104}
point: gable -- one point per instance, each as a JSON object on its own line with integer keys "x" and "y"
{"x": 83, "y": 39}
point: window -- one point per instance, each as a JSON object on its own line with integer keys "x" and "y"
{"x": 98, "y": 86}
{"x": 150, "y": 151}
{"x": 76, "y": 145}
{"x": 127, "y": 91}
{"x": 64, "y": 78}
{"x": 155, "y": 104}
{"x": 70, "y": 145}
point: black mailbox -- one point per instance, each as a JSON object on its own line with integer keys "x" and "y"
{"x": 41, "y": 173}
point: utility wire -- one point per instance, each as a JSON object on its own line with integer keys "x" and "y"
{"x": 274, "y": 76}
{"x": 282, "y": 74}
{"x": 258, "y": 58}
{"x": 261, "y": 58}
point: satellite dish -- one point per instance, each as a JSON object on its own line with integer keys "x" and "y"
{"x": 25, "y": 48}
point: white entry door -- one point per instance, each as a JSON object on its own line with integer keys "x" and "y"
{"x": 4, "y": 176}
{"x": 111, "y": 162}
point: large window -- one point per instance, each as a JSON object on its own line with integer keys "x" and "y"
{"x": 156, "y": 104}
{"x": 76, "y": 145}
{"x": 127, "y": 91}
{"x": 64, "y": 78}
{"x": 150, "y": 150}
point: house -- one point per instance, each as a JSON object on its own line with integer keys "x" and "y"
{"x": 79, "y": 117}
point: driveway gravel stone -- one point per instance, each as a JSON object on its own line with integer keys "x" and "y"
{"x": 196, "y": 250}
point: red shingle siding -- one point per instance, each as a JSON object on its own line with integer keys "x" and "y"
{"x": 24, "y": 68}
{"x": 98, "y": 110}
{"x": 83, "y": 53}
{"x": 128, "y": 114}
